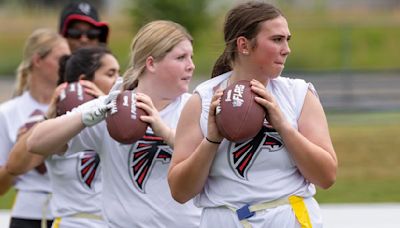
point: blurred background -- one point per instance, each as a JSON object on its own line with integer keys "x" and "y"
{"x": 349, "y": 50}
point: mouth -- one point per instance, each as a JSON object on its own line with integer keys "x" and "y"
{"x": 188, "y": 78}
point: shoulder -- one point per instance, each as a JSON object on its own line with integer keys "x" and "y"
{"x": 185, "y": 97}
{"x": 288, "y": 82}
{"x": 12, "y": 104}
{"x": 207, "y": 87}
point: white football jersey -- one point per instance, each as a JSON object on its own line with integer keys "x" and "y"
{"x": 76, "y": 182}
{"x": 34, "y": 186}
{"x": 135, "y": 188}
{"x": 259, "y": 169}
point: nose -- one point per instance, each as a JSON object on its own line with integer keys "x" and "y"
{"x": 191, "y": 65}
{"x": 286, "y": 49}
{"x": 84, "y": 38}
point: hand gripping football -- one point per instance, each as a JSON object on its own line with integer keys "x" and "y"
{"x": 123, "y": 119}
{"x": 238, "y": 116}
{"x": 70, "y": 97}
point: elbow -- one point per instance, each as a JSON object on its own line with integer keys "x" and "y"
{"x": 177, "y": 194}
{"x": 328, "y": 181}
{"x": 179, "y": 197}
{"x": 13, "y": 170}
{"x": 3, "y": 191}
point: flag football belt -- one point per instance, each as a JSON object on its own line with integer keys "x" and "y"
{"x": 86, "y": 216}
{"x": 57, "y": 221}
{"x": 297, "y": 203}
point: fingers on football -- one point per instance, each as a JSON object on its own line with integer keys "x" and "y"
{"x": 216, "y": 99}
{"x": 144, "y": 102}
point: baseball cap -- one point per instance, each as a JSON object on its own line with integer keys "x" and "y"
{"x": 82, "y": 11}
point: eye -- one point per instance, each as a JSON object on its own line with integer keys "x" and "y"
{"x": 277, "y": 39}
{"x": 181, "y": 57}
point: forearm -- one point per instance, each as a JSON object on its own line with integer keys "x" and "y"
{"x": 51, "y": 136}
{"x": 20, "y": 160}
{"x": 317, "y": 164}
{"x": 6, "y": 180}
{"x": 187, "y": 178}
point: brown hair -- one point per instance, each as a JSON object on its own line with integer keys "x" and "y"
{"x": 242, "y": 20}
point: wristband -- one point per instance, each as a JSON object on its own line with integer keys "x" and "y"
{"x": 213, "y": 142}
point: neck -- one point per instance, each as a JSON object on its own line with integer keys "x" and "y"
{"x": 41, "y": 90}
{"x": 156, "y": 95}
{"x": 239, "y": 73}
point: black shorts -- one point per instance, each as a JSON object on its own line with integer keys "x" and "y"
{"x": 27, "y": 223}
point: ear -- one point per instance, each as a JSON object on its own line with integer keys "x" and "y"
{"x": 36, "y": 60}
{"x": 243, "y": 45}
{"x": 82, "y": 77}
{"x": 150, "y": 64}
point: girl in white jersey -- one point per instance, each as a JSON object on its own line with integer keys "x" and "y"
{"x": 267, "y": 181}
{"x": 36, "y": 80}
{"x": 135, "y": 189}
{"x": 75, "y": 177}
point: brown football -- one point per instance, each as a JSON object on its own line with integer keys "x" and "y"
{"x": 238, "y": 116}
{"x": 123, "y": 119}
{"x": 72, "y": 96}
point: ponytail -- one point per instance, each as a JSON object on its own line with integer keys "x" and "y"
{"x": 21, "y": 83}
{"x": 222, "y": 65}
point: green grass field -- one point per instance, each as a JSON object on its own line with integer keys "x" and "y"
{"x": 367, "y": 146}
{"x": 321, "y": 40}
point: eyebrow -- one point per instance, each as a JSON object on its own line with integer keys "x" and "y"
{"x": 282, "y": 36}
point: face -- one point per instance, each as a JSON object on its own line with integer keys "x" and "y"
{"x": 106, "y": 75}
{"x": 49, "y": 65}
{"x": 272, "y": 47}
{"x": 175, "y": 70}
{"x": 82, "y": 34}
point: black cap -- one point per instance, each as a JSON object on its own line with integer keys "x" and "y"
{"x": 82, "y": 11}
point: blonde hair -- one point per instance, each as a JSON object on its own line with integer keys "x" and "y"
{"x": 40, "y": 42}
{"x": 154, "y": 39}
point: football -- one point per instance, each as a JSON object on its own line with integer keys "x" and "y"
{"x": 238, "y": 116}
{"x": 72, "y": 96}
{"x": 123, "y": 119}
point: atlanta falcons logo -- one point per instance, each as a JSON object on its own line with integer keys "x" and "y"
{"x": 88, "y": 163}
{"x": 242, "y": 155}
{"x": 142, "y": 157}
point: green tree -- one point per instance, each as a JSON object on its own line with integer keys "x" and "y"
{"x": 193, "y": 14}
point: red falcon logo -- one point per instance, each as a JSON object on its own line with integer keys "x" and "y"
{"x": 88, "y": 165}
{"x": 143, "y": 156}
{"x": 242, "y": 155}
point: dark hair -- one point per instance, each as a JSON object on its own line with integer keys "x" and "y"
{"x": 84, "y": 61}
{"x": 242, "y": 20}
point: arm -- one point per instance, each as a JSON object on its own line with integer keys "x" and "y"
{"x": 51, "y": 136}
{"x": 20, "y": 160}
{"x": 310, "y": 146}
{"x": 193, "y": 154}
{"x": 6, "y": 180}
